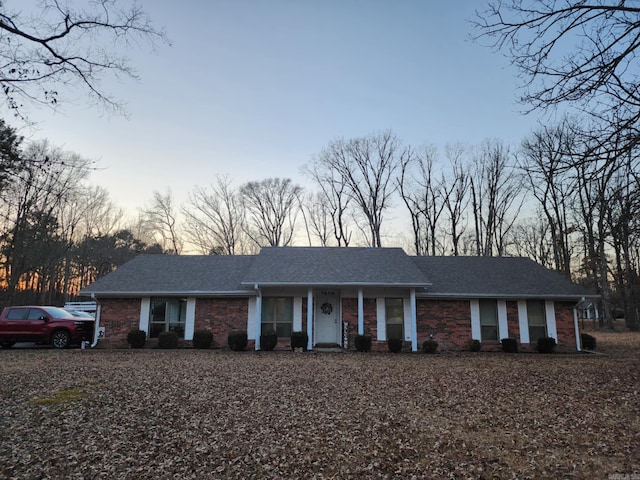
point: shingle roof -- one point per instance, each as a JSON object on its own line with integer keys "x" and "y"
{"x": 495, "y": 276}
{"x": 175, "y": 274}
{"x": 506, "y": 277}
{"x": 334, "y": 266}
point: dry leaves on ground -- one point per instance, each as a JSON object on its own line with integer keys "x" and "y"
{"x": 215, "y": 414}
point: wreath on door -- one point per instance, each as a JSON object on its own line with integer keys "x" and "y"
{"x": 326, "y": 308}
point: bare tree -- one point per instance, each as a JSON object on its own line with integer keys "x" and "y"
{"x": 318, "y": 218}
{"x": 456, "y": 197}
{"x": 366, "y": 168}
{"x": 333, "y": 196}
{"x": 530, "y": 238}
{"x": 495, "y": 197}
{"x": 215, "y": 218}
{"x": 271, "y": 207}
{"x": 583, "y": 53}
{"x": 159, "y": 219}
{"x": 423, "y": 193}
{"x": 546, "y": 157}
{"x": 58, "y": 48}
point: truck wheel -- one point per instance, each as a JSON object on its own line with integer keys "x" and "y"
{"x": 60, "y": 339}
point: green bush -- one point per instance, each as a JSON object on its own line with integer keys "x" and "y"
{"x": 588, "y": 341}
{"x": 395, "y": 345}
{"x": 546, "y": 345}
{"x": 430, "y": 346}
{"x": 268, "y": 341}
{"x": 299, "y": 340}
{"x": 136, "y": 338}
{"x": 237, "y": 341}
{"x": 509, "y": 345}
{"x": 363, "y": 343}
{"x": 168, "y": 340}
{"x": 474, "y": 345}
{"x": 202, "y": 339}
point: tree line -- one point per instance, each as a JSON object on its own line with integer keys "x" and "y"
{"x": 551, "y": 198}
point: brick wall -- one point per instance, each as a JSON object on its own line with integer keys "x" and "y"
{"x": 448, "y": 320}
{"x": 222, "y": 316}
{"x": 565, "y": 327}
{"x": 350, "y": 315}
{"x": 118, "y": 316}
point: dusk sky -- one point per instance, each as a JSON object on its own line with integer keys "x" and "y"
{"x": 254, "y": 89}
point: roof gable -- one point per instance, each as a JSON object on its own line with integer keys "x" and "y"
{"x": 334, "y": 266}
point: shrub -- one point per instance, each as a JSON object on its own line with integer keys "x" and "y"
{"x": 395, "y": 345}
{"x": 509, "y": 345}
{"x": 237, "y": 341}
{"x": 299, "y": 340}
{"x": 430, "y": 346}
{"x": 474, "y": 345}
{"x": 588, "y": 341}
{"x": 168, "y": 340}
{"x": 546, "y": 345}
{"x": 136, "y": 338}
{"x": 268, "y": 341}
{"x": 363, "y": 343}
{"x": 202, "y": 339}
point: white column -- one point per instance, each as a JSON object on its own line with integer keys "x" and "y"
{"x": 360, "y": 312}
{"x": 503, "y": 325}
{"x": 476, "y": 331}
{"x": 551, "y": 319}
{"x": 381, "y": 319}
{"x": 414, "y": 320}
{"x": 190, "y": 319}
{"x": 145, "y": 309}
{"x": 575, "y": 325}
{"x": 258, "y": 319}
{"x": 310, "y": 318}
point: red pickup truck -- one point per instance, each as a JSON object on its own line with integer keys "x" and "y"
{"x": 50, "y": 325}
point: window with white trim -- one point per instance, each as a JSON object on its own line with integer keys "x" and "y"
{"x": 167, "y": 315}
{"x": 537, "y": 320}
{"x": 394, "y": 315}
{"x": 277, "y": 316}
{"x": 488, "y": 320}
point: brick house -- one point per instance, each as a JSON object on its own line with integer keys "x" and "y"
{"x": 334, "y": 293}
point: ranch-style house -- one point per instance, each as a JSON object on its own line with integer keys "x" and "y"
{"x": 334, "y": 293}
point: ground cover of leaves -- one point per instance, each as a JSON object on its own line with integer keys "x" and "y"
{"x": 214, "y": 414}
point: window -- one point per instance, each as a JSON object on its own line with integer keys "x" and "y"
{"x": 167, "y": 315}
{"x": 537, "y": 320}
{"x": 277, "y": 316}
{"x": 488, "y": 320}
{"x": 394, "y": 314}
{"x": 16, "y": 314}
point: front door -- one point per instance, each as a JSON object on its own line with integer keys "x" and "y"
{"x": 327, "y": 317}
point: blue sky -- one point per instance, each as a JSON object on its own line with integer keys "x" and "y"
{"x": 254, "y": 89}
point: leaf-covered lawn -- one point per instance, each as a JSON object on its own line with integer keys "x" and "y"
{"x": 214, "y": 414}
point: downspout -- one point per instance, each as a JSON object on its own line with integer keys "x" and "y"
{"x": 309, "y": 318}
{"x": 97, "y": 324}
{"x": 414, "y": 321}
{"x": 575, "y": 324}
{"x": 258, "y": 319}
{"x": 360, "y": 312}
